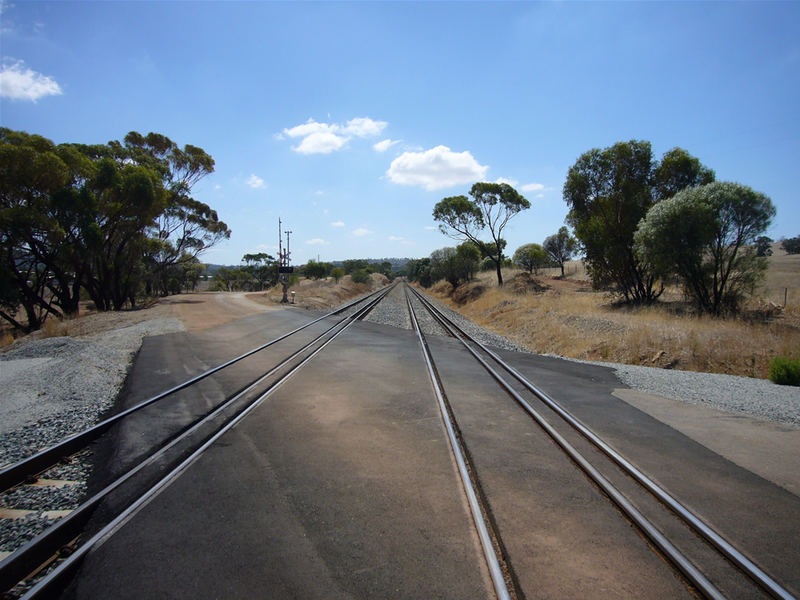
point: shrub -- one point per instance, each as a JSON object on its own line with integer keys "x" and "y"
{"x": 360, "y": 276}
{"x": 785, "y": 371}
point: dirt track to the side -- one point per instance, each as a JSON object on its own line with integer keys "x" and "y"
{"x": 204, "y": 310}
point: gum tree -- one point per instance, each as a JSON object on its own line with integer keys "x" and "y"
{"x": 491, "y": 207}
{"x": 560, "y": 247}
{"x": 705, "y": 236}
{"x": 608, "y": 191}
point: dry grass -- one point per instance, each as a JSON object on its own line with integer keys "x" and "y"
{"x": 320, "y": 294}
{"x": 569, "y": 319}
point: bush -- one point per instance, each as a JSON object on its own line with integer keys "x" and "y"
{"x": 785, "y": 371}
{"x": 360, "y": 276}
{"x": 792, "y": 245}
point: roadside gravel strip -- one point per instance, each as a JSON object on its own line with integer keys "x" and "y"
{"x": 52, "y": 388}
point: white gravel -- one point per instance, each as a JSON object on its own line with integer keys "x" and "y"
{"x": 743, "y": 395}
{"x": 52, "y": 388}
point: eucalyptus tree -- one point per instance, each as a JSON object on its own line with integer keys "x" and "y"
{"x": 608, "y": 191}
{"x": 39, "y": 226}
{"x": 491, "y": 207}
{"x": 103, "y": 218}
{"x": 531, "y": 257}
{"x": 705, "y": 236}
{"x": 560, "y": 247}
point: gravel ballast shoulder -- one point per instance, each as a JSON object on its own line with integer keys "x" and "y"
{"x": 53, "y": 388}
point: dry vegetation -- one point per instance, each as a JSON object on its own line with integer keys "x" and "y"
{"x": 565, "y": 317}
{"x": 320, "y": 294}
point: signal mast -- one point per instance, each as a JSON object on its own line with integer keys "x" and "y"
{"x": 285, "y": 268}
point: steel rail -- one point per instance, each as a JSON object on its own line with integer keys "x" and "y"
{"x": 48, "y": 584}
{"x": 20, "y": 471}
{"x": 689, "y": 570}
{"x": 738, "y": 558}
{"x": 23, "y": 561}
{"x": 493, "y": 564}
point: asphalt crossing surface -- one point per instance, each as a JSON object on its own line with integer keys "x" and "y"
{"x": 342, "y": 485}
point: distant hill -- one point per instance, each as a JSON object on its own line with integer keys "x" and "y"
{"x": 397, "y": 263}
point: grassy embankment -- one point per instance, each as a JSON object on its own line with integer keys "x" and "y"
{"x": 554, "y": 316}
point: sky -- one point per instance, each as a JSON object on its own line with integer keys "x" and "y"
{"x": 349, "y": 121}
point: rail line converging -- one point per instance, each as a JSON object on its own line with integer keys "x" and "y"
{"x": 45, "y": 555}
{"x": 49, "y": 546}
{"x": 690, "y": 570}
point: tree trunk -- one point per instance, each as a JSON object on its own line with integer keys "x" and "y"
{"x": 499, "y": 263}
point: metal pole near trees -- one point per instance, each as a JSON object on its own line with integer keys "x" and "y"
{"x": 284, "y": 263}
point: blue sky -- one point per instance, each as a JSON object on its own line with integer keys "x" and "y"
{"x": 351, "y": 120}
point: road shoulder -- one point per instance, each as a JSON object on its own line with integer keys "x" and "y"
{"x": 767, "y": 449}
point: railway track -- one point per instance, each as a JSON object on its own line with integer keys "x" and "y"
{"x": 58, "y": 550}
{"x": 709, "y": 565}
{"x": 742, "y": 576}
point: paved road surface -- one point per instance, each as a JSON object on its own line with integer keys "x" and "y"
{"x": 341, "y": 485}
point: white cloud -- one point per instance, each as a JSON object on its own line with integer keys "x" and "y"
{"x": 511, "y": 182}
{"x": 319, "y": 193}
{"x": 364, "y": 127}
{"x": 532, "y": 187}
{"x": 19, "y": 83}
{"x": 431, "y": 228}
{"x": 384, "y": 145}
{"x": 361, "y": 232}
{"x": 436, "y": 168}
{"x": 396, "y": 238}
{"x": 255, "y": 182}
{"x": 218, "y": 187}
{"x": 324, "y": 138}
{"x": 320, "y": 142}
{"x": 337, "y": 224}
{"x": 317, "y": 242}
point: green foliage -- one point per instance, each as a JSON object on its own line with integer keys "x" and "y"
{"x": 231, "y": 280}
{"x": 456, "y": 265}
{"x": 531, "y": 257}
{"x": 764, "y": 246}
{"x": 560, "y": 247}
{"x": 114, "y": 220}
{"x": 419, "y": 270}
{"x": 337, "y": 274}
{"x": 384, "y": 268}
{"x": 678, "y": 170}
{"x": 359, "y": 276}
{"x": 263, "y": 268}
{"x": 703, "y": 235}
{"x": 785, "y": 371}
{"x": 355, "y": 265}
{"x": 317, "y": 270}
{"x": 491, "y": 207}
{"x": 792, "y": 245}
{"x": 608, "y": 192}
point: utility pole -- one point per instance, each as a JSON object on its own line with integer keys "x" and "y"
{"x": 284, "y": 263}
